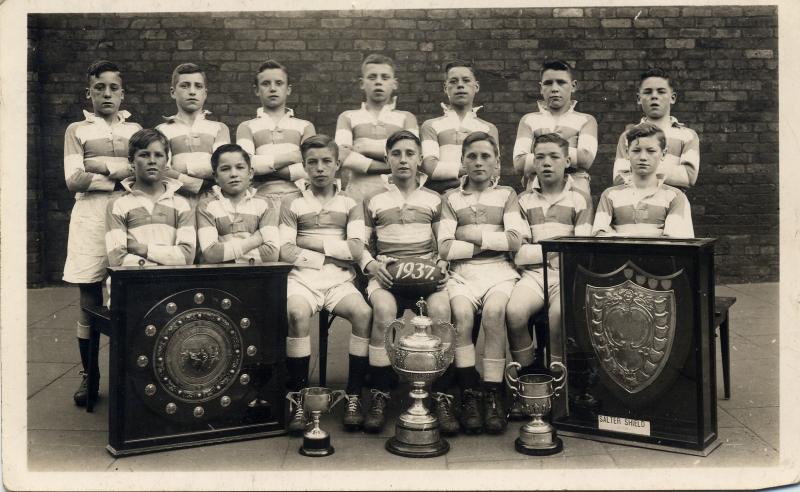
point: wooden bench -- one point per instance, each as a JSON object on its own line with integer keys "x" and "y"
{"x": 721, "y": 321}
{"x": 100, "y": 324}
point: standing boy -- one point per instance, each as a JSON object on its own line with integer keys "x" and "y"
{"x": 645, "y": 206}
{"x": 192, "y": 138}
{"x": 150, "y": 222}
{"x": 274, "y": 136}
{"x": 557, "y": 115}
{"x": 95, "y": 160}
{"x": 442, "y": 136}
{"x": 403, "y": 220}
{"x": 361, "y": 133}
{"x": 233, "y": 223}
{"x": 682, "y": 161}
{"x": 322, "y": 234}
{"x": 553, "y": 206}
{"x": 481, "y": 224}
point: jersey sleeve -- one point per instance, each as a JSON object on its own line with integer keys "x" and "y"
{"x": 262, "y": 164}
{"x": 679, "y": 217}
{"x": 182, "y": 252}
{"x": 587, "y": 144}
{"x": 514, "y": 228}
{"x": 604, "y": 215}
{"x": 451, "y": 248}
{"x": 686, "y": 173}
{"x": 75, "y": 174}
{"x": 290, "y": 252}
{"x": 349, "y": 158}
{"x": 622, "y": 166}
{"x": 351, "y": 248}
{"x": 523, "y": 158}
{"x": 117, "y": 236}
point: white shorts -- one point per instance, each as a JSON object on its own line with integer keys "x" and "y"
{"x": 478, "y": 281}
{"x": 534, "y": 280}
{"x": 87, "y": 258}
{"x": 323, "y": 289}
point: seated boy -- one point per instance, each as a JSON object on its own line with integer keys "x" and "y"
{"x": 192, "y": 138}
{"x": 233, "y": 223}
{"x": 95, "y": 161}
{"x": 554, "y": 206}
{"x": 150, "y": 222}
{"x": 480, "y": 225}
{"x": 274, "y": 136}
{"x": 401, "y": 221}
{"x": 442, "y": 136}
{"x": 361, "y": 133}
{"x": 681, "y": 163}
{"x": 322, "y": 234}
{"x": 645, "y": 206}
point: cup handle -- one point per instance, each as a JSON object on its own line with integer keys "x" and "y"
{"x": 295, "y": 397}
{"x": 336, "y": 397}
{"x": 562, "y": 379}
{"x": 391, "y": 329}
{"x": 511, "y": 381}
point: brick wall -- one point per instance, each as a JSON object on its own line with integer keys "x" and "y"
{"x": 724, "y": 61}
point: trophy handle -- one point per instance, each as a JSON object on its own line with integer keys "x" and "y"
{"x": 511, "y": 381}
{"x": 295, "y": 397}
{"x": 336, "y": 397}
{"x": 391, "y": 329}
{"x": 562, "y": 380}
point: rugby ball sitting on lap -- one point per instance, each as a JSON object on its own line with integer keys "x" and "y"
{"x": 414, "y": 277}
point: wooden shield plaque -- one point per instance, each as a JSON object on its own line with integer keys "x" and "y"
{"x": 197, "y": 355}
{"x": 638, "y": 342}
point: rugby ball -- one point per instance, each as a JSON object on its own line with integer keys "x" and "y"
{"x": 414, "y": 277}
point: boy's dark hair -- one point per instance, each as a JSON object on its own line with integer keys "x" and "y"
{"x": 556, "y": 64}
{"x": 460, "y": 63}
{"x": 478, "y": 137}
{"x": 401, "y": 135}
{"x": 552, "y": 138}
{"x": 654, "y": 72}
{"x": 270, "y": 65}
{"x": 646, "y": 130}
{"x": 224, "y": 149}
{"x": 377, "y": 59}
{"x": 185, "y": 68}
{"x": 100, "y": 66}
{"x": 319, "y": 141}
{"x": 143, "y": 138}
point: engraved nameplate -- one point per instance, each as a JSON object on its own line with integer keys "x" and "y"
{"x": 619, "y": 424}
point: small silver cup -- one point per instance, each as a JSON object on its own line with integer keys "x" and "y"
{"x": 537, "y": 437}
{"x": 316, "y": 401}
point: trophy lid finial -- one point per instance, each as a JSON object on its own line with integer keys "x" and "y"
{"x": 423, "y": 307}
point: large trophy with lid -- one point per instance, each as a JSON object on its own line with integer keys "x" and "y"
{"x": 420, "y": 352}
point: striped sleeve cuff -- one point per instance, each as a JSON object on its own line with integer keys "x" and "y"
{"x": 357, "y": 162}
{"x": 495, "y": 241}
{"x": 446, "y": 170}
{"x": 460, "y": 250}
{"x": 263, "y": 164}
{"x": 337, "y": 248}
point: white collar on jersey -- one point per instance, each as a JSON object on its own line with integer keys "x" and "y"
{"x": 449, "y": 109}
{"x": 544, "y": 109}
{"x": 535, "y": 186}
{"x": 175, "y": 117}
{"x": 673, "y": 122}
{"x": 390, "y": 106}
{"x": 493, "y": 182}
{"x": 171, "y": 185}
{"x": 248, "y": 193}
{"x": 260, "y": 113}
{"x": 387, "y": 179}
{"x": 91, "y": 117}
{"x": 305, "y": 186}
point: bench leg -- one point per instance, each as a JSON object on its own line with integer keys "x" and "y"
{"x": 324, "y": 327}
{"x": 724, "y": 342}
{"x": 93, "y": 377}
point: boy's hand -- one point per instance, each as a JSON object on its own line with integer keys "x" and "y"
{"x": 378, "y": 270}
{"x": 137, "y": 248}
{"x": 96, "y": 166}
{"x": 442, "y": 284}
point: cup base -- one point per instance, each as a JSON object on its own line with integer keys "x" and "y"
{"x": 556, "y": 447}
{"x": 430, "y": 450}
{"x": 316, "y": 448}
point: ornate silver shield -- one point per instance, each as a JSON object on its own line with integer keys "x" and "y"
{"x": 631, "y": 329}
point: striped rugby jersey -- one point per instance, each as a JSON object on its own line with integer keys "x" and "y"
{"x": 568, "y": 214}
{"x": 441, "y": 145}
{"x": 339, "y": 222}
{"x": 222, "y": 226}
{"x": 359, "y": 127}
{"x": 165, "y": 226}
{"x": 398, "y": 226}
{"x": 579, "y": 129}
{"x": 681, "y": 164}
{"x": 191, "y": 146}
{"x": 663, "y": 210}
{"x": 273, "y": 146}
{"x": 494, "y": 212}
{"x": 92, "y": 141}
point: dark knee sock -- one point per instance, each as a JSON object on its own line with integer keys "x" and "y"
{"x": 357, "y": 370}
{"x": 381, "y": 377}
{"x": 446, "y": 381}
{"x": 468, "y": 378}
{"x": 298, "y": 372}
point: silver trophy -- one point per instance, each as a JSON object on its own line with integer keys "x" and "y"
{"x": 316, "y": 401}
{"x": 537, "y": 437}
{"x": 420, "y": 353}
